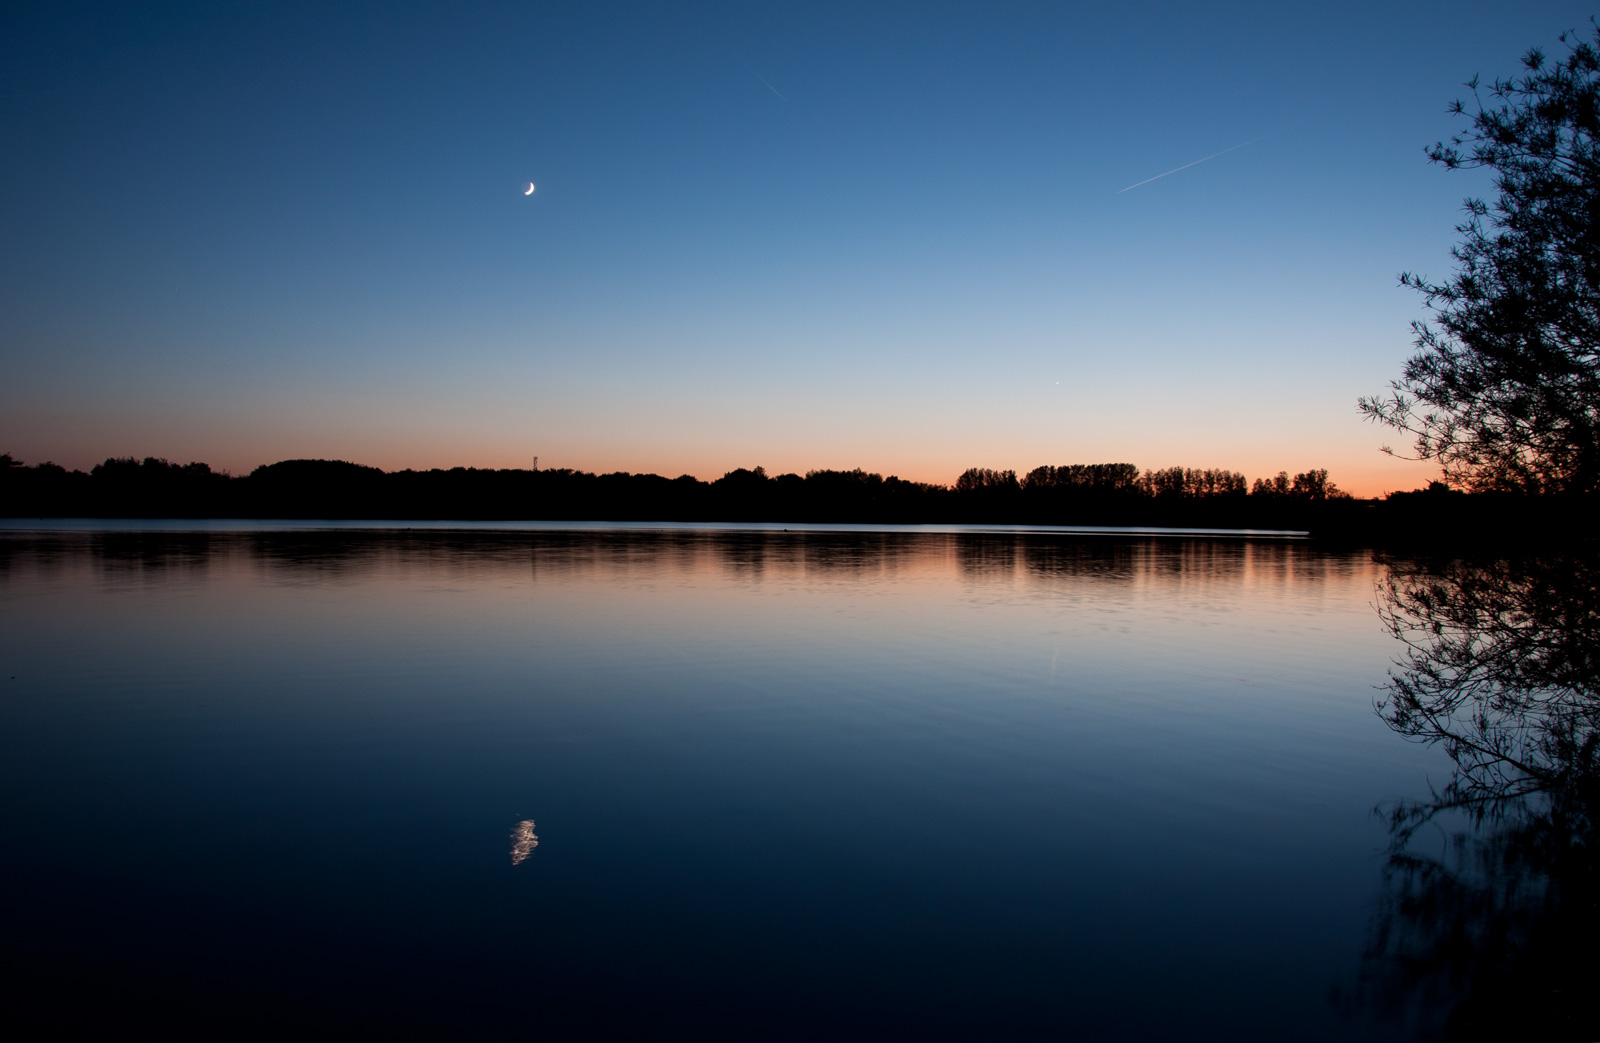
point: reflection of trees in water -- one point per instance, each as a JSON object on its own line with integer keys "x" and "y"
{"x": 321, "y": 554}
{"x": 148, "y": 554}
{"x": 1489, "y": 923}
{"x": 855, "y": 553}
{"x": 119, "y": 557}
{"x": 1206, "y": 563}
{"x": 1100, "y": 558}
{"x": 746, "y": 554}
{"x": 989, "y": 556}
{"x": 314, "y": 555}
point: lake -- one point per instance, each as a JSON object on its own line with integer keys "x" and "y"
{"x": 647, "y": 783}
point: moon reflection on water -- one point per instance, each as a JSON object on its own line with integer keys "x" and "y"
{"x": 523, "y": 841}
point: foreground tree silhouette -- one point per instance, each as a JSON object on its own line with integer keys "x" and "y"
{"x": 1505, "y": 389}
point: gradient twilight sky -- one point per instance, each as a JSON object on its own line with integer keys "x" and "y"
{"x": 799, "y": 235}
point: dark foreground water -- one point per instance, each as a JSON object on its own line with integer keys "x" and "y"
{"x": 650, "y": 784}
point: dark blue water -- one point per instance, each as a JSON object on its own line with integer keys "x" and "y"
{"x": 811, "y": 784}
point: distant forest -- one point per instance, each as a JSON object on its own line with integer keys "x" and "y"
{"x": 1093, "y": 493}
{"x": 1075, "y": 494}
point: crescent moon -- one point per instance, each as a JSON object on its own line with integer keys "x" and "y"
{"x": 529, "y": 192}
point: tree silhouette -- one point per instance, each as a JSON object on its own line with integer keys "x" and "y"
{"x": 1193, "y": 482}
{"x": 1504, "y": 391}
{"x": 983, "y": 479}
{"x": 1071, "y": 494}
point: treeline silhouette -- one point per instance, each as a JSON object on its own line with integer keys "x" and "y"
{"x": 1074, "y": 494}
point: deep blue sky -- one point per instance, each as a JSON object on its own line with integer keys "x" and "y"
{"x": 792, "y": 234}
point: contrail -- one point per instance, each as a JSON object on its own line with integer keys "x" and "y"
{"x": 758, "y": 76}
{"x": 1186, "y": 166}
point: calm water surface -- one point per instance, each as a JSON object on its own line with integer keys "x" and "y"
{"x": 817, "y": 784}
